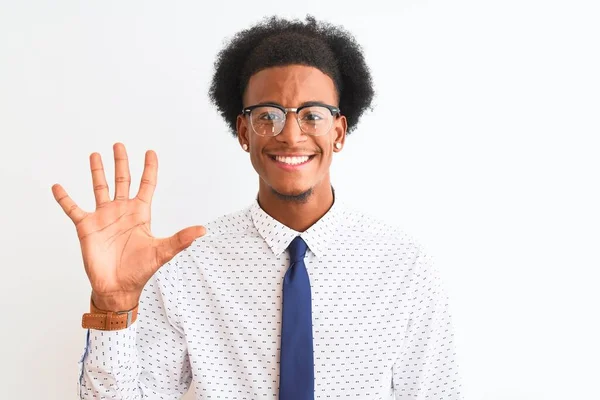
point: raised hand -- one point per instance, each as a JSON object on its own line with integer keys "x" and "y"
{"x": 119, "y": 252}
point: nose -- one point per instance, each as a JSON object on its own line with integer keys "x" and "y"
{"x": 291, "y": 132}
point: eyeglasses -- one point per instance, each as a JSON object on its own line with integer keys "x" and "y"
{"x": 314, "y": 118}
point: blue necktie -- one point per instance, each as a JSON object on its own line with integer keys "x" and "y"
{"x": 296, "y": 365}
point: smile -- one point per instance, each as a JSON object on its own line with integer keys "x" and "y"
{"x": 291, "y": 162}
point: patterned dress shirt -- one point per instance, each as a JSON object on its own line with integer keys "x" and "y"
{"x": 211, "y": 317}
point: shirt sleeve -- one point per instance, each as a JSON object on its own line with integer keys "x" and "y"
{"x": 426, "y": 367}
{"x": 148, "y": 360}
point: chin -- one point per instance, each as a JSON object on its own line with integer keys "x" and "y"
{"x": 293, "y": 194}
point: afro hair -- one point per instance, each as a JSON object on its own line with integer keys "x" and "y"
{"x": 275, "y": 41}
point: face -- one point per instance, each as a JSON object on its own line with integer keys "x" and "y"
{"x": 278, "y": 159}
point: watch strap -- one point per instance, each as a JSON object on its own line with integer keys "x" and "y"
{"x": 108, "y": 320}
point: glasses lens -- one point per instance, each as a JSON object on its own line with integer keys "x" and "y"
{"x": 267, "y": 121}
{"x": 315, "y": 120}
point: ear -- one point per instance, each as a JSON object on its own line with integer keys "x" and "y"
{"x": 242, "y": 131}
{"x": 341, "y": 126}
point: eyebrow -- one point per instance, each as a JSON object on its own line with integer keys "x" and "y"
{"x": 306, "y": 103}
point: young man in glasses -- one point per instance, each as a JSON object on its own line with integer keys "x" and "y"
{"x": 297, "y": 296}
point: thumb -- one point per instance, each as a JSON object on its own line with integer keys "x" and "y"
{"x": 169, "y": 247}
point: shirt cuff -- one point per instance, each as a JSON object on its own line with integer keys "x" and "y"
{"x": 105, "y": 350}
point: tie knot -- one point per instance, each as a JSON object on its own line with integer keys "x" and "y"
{"x": 297, "y": 249}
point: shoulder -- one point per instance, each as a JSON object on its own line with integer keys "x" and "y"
{"x": 352, "y": 219}
{"x": 387, "y": 237}
{"x": 236, "y": 222}
{"x": 224, "y": 228}
{"x": 405, "y": 248}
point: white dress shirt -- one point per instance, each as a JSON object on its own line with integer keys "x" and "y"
{"x": 382, "y": 326}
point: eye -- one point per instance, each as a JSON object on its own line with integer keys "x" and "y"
{"x": 314, "y": 114}
{"x": 270, "y": 116}
{"x": 311, "y": 116}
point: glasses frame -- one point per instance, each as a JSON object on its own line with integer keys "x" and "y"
{"x": 335, "y": 112}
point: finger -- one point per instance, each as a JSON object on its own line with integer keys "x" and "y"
{"x": 122, "y": 175}
{"x": 148, "y": 183}
{"x": 68, "y": 205}
{"x": 169, "y": 247}
{"x": 99, "y": 180}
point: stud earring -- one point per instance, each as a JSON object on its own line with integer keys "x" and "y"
{"x": 245, "y": 146}
{"x": 338, "y": 145}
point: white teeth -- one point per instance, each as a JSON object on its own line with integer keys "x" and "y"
{"x": 292, "y": 160}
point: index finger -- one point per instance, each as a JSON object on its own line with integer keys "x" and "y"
{"x": 148, "y": 182}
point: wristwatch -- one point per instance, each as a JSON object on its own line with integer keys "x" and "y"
{"x": 108, "y": 320}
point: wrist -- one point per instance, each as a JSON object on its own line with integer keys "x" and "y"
{"x": 115, "y": 303}
{"x": 106, "y": 319}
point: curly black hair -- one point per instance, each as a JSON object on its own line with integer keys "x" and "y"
{"x": 276, "y": 41}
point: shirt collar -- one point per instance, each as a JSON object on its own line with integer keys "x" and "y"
{"x": 279, "y": 236}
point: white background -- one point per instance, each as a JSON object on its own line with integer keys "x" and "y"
{"x": 483, "y": 143}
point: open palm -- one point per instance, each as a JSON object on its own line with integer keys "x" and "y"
{"x": 119, "y": 252}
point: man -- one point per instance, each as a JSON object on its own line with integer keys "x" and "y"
{"x": 297, "y": 296}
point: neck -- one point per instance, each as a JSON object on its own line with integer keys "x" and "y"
{"x": 297, "y": 214}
